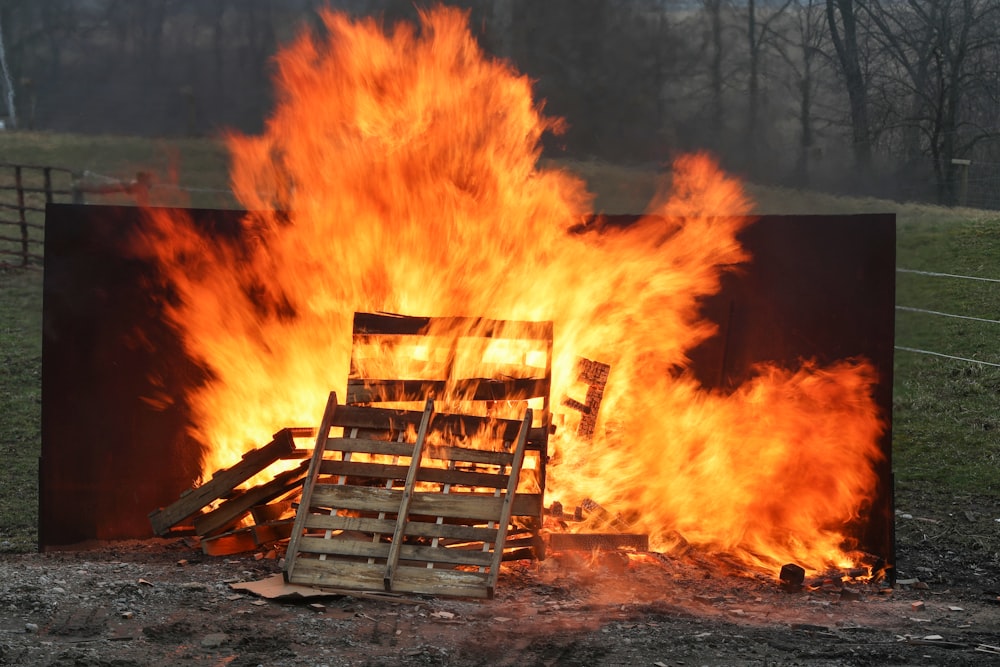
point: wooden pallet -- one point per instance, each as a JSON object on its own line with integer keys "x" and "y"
{"x": 221, "y": 485}
{"x": 408, "y": 501}
{"x": 402, "y": 361}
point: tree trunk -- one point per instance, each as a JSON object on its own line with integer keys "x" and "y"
{"x": 845, "y": 42}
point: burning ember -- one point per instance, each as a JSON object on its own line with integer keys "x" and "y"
{"x": 401, "y": 172}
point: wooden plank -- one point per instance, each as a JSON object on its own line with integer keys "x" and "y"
{"x": 337, "y": 574}
{"x": 452, "y": 583}
{"x": 408, "y": 494}
{"x": 469, "y": 455}
{"x": 399, "y": 325}
{"x": 309, "y": 482}
{"x": 462, "y": 478}
{"x": 364, "y": 469}
{"x": 272, "y": 511}
{"x": 367, "y": 390}
{"x": 375, "y": 418}
{"x": 335, "y": 546}
{"x": 373, "y": 499}
{"x": 398, "y": 472}
{"x": 370, "y": 446}
{"x": 439, "y": 554}
{"x": 385, "y": 419}
{"x": 473, "y": 506}
{"x": 350, "y": 523}
{"x": 234, "y": 509}
{"x": 413, "y": 528}
{"x": 222, "y": 482}
{"x": 504, "y": 522}
{"x": 361, "y": 498}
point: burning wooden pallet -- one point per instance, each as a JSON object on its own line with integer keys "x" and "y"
{"x": 408, "y": 501}
{"x": 220, "y": 526}
{"x": 467, "y": 365}
{"x": 450, "y": 348}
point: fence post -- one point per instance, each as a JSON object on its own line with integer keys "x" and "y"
{"x": 963, "y": 179}
{"x": 47, "y": 174}
{"x": 21, "y": 216}
{"x": 75, "y": 187}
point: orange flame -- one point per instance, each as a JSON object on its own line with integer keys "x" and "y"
{"x": 400, "y": 172}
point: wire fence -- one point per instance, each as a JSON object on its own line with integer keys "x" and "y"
{"x": 946, "y": 315}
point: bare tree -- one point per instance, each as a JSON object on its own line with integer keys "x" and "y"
{"x": 801, "y": 41}
{"x": 759, "y": 29}
{"x": 935, "y": 51}
{"x": 842, "y": 20}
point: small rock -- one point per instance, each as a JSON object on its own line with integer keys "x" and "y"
{"x": 918, "y": 605}
{"x": 849, "y": 595}
{"x": 195, "y": 586}
{"x": 31, "y": 628}
{"x": 214, "y": 640}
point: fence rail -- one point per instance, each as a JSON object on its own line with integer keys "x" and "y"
{"x": 26, "y": 189}
{"x": 945, "y": 315}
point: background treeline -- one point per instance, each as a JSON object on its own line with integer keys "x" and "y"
{"x": 887, "y": 97}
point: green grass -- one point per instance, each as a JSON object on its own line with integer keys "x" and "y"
{"x": 946, "y": 426}
{"x": 946, "y": 422}
{"x": 20, "y": 406}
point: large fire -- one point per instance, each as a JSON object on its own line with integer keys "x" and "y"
{"x": 401, "y": 172}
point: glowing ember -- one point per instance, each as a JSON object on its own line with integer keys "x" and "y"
{"x": 401, "y": 173}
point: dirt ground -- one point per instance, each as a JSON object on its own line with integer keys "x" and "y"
{"x": 163, "y": 603}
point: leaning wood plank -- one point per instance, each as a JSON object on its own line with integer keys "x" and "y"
{"x": 222, "y": 482}
{"x": 232, "y": 510}
{"x": 515, "y": 474}
{"x": 309, "y": 484}
{"x": 404, "y": 506}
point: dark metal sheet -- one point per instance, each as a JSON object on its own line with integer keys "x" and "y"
{"x": 109, "y": 457}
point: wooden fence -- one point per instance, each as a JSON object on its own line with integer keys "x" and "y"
{"x": 26, "y": 189}
{"x": 24, "y": 192}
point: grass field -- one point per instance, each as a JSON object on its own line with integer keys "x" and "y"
{"x": 946, "y": 425}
